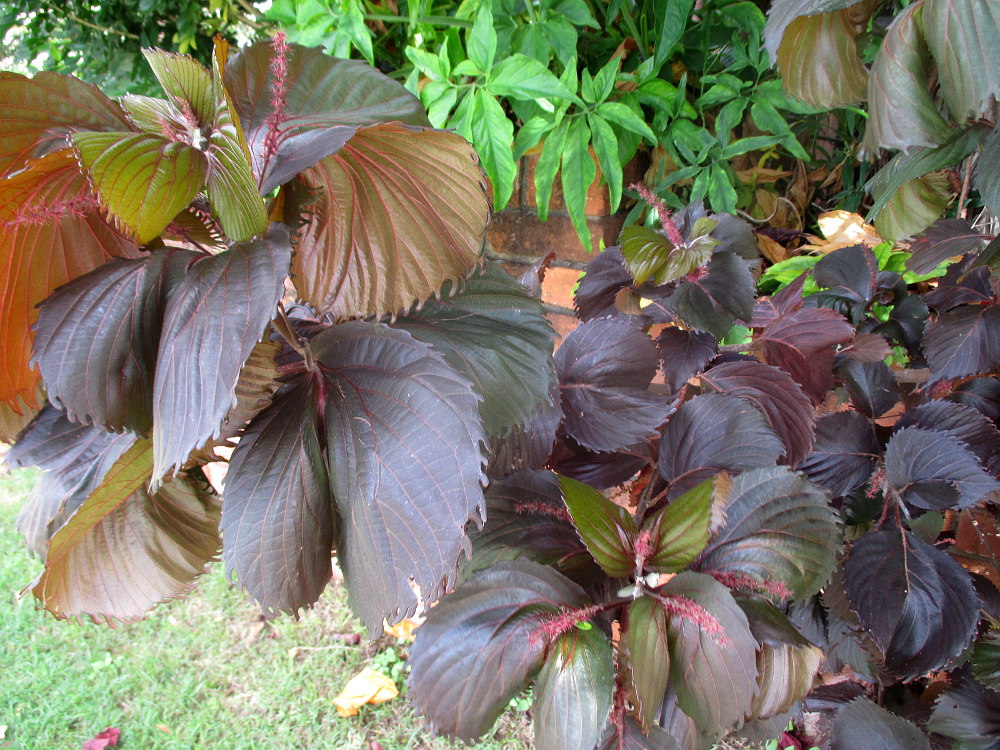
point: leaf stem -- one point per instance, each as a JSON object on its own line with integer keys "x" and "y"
{"x": 284, "y": 327}
{"x": 966, "y": 185}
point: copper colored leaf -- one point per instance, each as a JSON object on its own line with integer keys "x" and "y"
{"x": 393, "y": 215}
{"x": 917, "y": 602}
{"x": 479, "y": 645}
{"x": 573, "y": 690}
{"x": 964, "y": 341}
{"x": 783, "y": 12}
{"x": 12, "y": 421}
{"x": 214, "y": 318}
{"x": 109, "y": 319}
{"x": 605, "y": 367}
{"x": 605, "y": 277}
{"x": 277, "y": 512}
{"x": 143, "y": 180}
{"x": 819, "y": 61}
{"x": 125, "y": 550}
{"x": 405, "y": 458}
{"x": 778, "y": 528}
{"x": 37, "y": 113}
{"x": 644, "y": 648}
{"x": 803, "y": 343}
{"x": 913, "y": 207}
{"x": 902, "y": 113}
{"x": 779, "y": 398}
{"x": 607, "y": 529}
{"x": 53, "y": 232}
{"x": 629, "y": 736}
{"x": 964, "y": 40}
{"x": 713, "y": 433}
{"x": 785, "y": 676}
{"x": 324, "y": 100}
{"x": 871, "y": 386}
{"x": 712, "y": 654}
{"x": 942, "y": 240}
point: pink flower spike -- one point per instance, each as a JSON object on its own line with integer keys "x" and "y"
{"x": 743, "y": 582}
{"x": 279, "y": 94}
{"x": 561, "y": 623}
{"x": 690, "y": 610}
{"x": 543, "y": 509}
{"x": 670, "y": 227}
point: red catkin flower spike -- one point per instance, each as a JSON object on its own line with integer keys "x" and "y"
{"x": 643, "y": 548}
{"x": 279, "y": 94}
{"x": 876, "y": 483}
{"x": 670, "y": 228}
{"x": 45, "y": 213}
{"x": 743, "y": 582}
{"x": 543, "y": 509}
{"x": 561, "y": 623}
{"x": 690, "y": 610}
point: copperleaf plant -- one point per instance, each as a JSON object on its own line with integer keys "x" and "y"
{"x": 280, "y": 253}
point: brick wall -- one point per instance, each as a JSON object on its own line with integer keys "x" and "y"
{"x": 518, "y": 239}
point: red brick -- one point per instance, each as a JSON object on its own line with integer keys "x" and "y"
{"x": 521, "y": 233}
{"x": 558, "y": 286}
{"x": 563, "y": 325}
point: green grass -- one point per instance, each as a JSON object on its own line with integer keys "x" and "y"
{"x": 204, "y": 672}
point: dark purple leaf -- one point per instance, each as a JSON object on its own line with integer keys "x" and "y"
{"x": 679, "y": 726}
{"x": 788, "y": 300}
{"x": 735, "y": 235}
{"x": 631, "y": 737}
{"x": 861, "y": 723}
{"x": 802, "y": 343}
{"x": 683, "y": 354}
{"x": 607, "y": 529}
{"x": 73, "y": 458}
{"x": 968, "y": 714}
{"x": 715, "y": 301}
{"x": 851, "y": 273}
{"x": 573, "y": 691}
{"x": 972, "y": 428}
{"x": 405, "y": 459}
{"x": 845, "y": 452}
{"x": 867, "y": 347}
{"x": 982, "y": 394}
{"x": 214, "y": 318}
{"x": 712, "y": 653}
{"x": 916, "y": 601}
{"x": 492, "y": 331}
{"x": 935, "y": 471}
{"x": 605, "y": 367}
{"x": 984, "y": 178}
{"x": 906, "y": 323}
{"x": 601, "y": 470}
{"x": 109, "y": 319}
{"x": 277, "y": 513}
{"x": 714, "y": 433}
{"x": 325, "y": 100}
{"x": 779, "y": 529}
{"x": 604, "y": 278}
{"x": 527, "y": 446}
{"x": 644, "y": 646}
{"x": 480, "y": 645}
{"x": 944, "y": 239}
{"x": 871, "y": 386}
{"x": 780, "y": 399}
{"x": 769, "y": 625}
{"x": 964, "y": 341}
{"x": 961, "y": 287}
{"x": 526, "y": 517}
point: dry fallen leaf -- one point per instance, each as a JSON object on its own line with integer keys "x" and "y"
{"x": 402, "y": 630}
{"x": 107, "y": 738}
{"x": 841, "y": 229}
{"x": 368, "y": 686}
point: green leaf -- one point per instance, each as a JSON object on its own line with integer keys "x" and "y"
{"x": 492, "y": 330}
{"x": 604, "y": 79}
{"x": 523, "y": 77}
{"x": 578, "y": 173}
{"x": 986, "y": 662}
{"x": 648, "y": 254}
{"x": 530, "y": 133}
{"x": 120, "y": 553}
{"x": 493, "y": 137}
{"x": 431, "y": 65}
{"x": 143, "y": 180}
{"x": 645, "y": 647}
{"x": 766, "y": 117}
{"x": 482, "y": 40}
{"x": 901, "y": 111}
{"x": 680, "y": 530}
{"x": 779, "y": 528}
{"x": 624, "y": 116}
{"x": 548, "y": 165}
{"x": 405, "y": 459}
{"x": 379, "y": 239}
{"x": 213, "y": 320}
{"x": 964, "y": 39}
{"x": 712, "y": 653}
{"x": 607, "y": 529}
{"x": 914, "y": 207}
{"x": 721, "y": 193}
{"x": 745, "y": 145}
{"x": 573, "y": 691}
{"x": 672, "y": 17}
{"x": 606, "y": 148}
{"x": 186, "y": 81}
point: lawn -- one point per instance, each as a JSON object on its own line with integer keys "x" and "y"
{"x": 206, "y": 672}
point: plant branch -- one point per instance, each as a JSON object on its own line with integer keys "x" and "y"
{"x": 966, "y": 185}
{"x": 102, "y": 29}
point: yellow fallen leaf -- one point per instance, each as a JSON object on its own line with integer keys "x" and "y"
{"x": 841, "y": 229}
{"x": 3, "y": 731}
{"x": 403, "y": 630}
{"x": 368, "y": 686}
